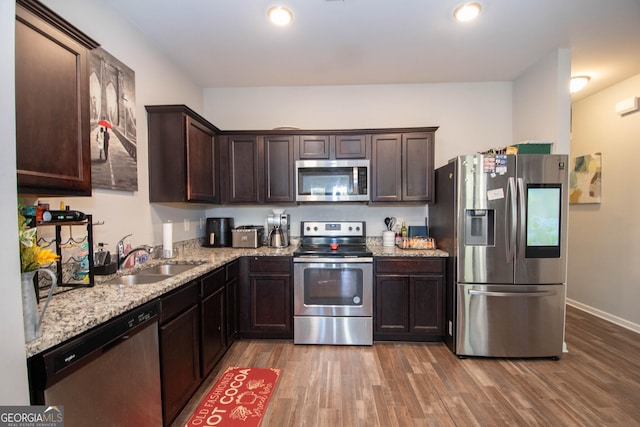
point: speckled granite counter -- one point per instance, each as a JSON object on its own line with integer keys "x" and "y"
{"x": 394, "y": 251}
{"x": 78, "y": 310}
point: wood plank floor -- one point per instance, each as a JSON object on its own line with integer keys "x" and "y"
{"x": 407, "y": 384}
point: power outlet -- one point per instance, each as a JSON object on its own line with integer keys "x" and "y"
{"x": 186, "y": 224}
{"x": 201, "y": 224}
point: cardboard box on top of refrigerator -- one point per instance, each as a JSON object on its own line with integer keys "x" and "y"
{"x": 531, "y": 147}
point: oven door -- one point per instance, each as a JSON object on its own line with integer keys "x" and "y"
{"x": 333, "y": 287}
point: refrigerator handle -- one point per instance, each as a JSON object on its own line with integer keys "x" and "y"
{"x": 512, "y": 294}
{"x": 521, "y": 209}
{"x": 511, "y": 224}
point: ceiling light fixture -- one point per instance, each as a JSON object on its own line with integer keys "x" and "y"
{"x": 280, "y": 15}
{"x": 578, "y": 83}
{"x": 467, "y": 12}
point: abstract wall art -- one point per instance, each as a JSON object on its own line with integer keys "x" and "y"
{"x": 585, "y": 179}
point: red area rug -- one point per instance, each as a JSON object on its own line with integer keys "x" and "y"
{"x": 239, "y": 398}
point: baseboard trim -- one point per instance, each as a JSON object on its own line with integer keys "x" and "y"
{"x": 604, "y": 315}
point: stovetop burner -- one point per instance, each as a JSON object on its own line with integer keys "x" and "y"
{"x": 333, "y": 239}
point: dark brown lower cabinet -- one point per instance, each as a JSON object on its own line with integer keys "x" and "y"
{"x": 231, "y": 294}
{"x": 198, "y": 323}
{"x": 409, "y": 299}
{"x": 179, "y": 348}
{"x": 265, "y": 303}
{"x": 213, "y": 313}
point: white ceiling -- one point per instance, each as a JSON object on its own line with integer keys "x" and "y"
{"x": 230, "y": 43}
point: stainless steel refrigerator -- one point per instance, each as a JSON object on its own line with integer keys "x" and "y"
{"x": 503, "y": 220}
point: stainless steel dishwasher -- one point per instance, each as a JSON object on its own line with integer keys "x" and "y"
{"x": 109, "y": 376}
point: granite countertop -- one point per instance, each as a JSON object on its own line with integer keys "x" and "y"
{"x": 394, "y": 251}
{"x": 78, "y": 310}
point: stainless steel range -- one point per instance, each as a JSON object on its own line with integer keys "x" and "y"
{"x": 333, "y": 284}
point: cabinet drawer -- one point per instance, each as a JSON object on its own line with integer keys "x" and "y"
{"x": 410, "y": 266}
{"x": 213, "y": 282}
{"x": 270, "y": 265}
{"x": 178, "y": 301}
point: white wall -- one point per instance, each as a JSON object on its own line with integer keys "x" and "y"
{"x": 158, "y": 81}
{"x": 471, "y": 117}
{"x": 542, "y": 103}
{"x": 13, "y": 369}
{"x": 604, "y": 272}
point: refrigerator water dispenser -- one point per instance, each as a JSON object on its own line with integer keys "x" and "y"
{"x": 479, "y": 226}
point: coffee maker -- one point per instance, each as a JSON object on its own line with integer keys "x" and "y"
{"x": 278, "y": 229}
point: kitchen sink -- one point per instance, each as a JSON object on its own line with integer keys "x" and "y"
{"x": 137, "y": 279}
{"x": 150, "y": 275}
{"x": 168, "y": 269}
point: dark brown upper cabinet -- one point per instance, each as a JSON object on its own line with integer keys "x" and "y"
{"x": 314, "y": 147}
{"x": 402, "y": 167}
{"x": 352, "y": 146}
{"x": 258, "y": 169}
{"x": 183, "y": 156}
{"x": 329, "y": 147}
{"x": 53, "y": 144}
{"x": 242, "y": 169}
{"x": 279, "y": 169}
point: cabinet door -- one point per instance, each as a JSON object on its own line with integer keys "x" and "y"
{"x": 426, "y": 305}
{"x": 279, "y": 169}
{"x": 179, "y": 361}
{"x": 417, "y": 167}
{"x": 392, "y": 308}
{"x": 231, "y": 294}
{"x": 351, "y": 146}
{"x": 202, "y": 178}
{"x": 213, "y": 329}
{"x": 270, "y": 305}
{"x": 312, "y": 147}
{"x": 386, "y": 165}
{"x": 183, "y": 156}
{"x": 53, "y": 153}
{"x": 245, "y": 169}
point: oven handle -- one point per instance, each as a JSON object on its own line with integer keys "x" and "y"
{"x": 333, "y": 260}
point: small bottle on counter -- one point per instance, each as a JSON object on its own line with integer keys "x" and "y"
{"x": 403, "y": 230}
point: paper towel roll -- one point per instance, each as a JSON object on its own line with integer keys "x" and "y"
{"x": 167, "y": 240}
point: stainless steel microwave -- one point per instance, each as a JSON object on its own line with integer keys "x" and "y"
{"x": 332, "y": 180}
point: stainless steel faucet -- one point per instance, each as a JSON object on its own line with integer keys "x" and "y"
{"x": 122, "y": 257}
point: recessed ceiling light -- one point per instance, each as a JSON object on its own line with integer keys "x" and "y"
{"x": 280, "y": 15}
{"x": 578, "y": 83}
{"x": 467, "y": 12}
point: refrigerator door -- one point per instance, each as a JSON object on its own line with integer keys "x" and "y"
{"x": 541, "y": 219}
{"x": 485, "y": 230}
{"x": 510, "y": 321}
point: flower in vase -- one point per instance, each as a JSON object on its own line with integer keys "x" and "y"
{"x": 32, "y": 256}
